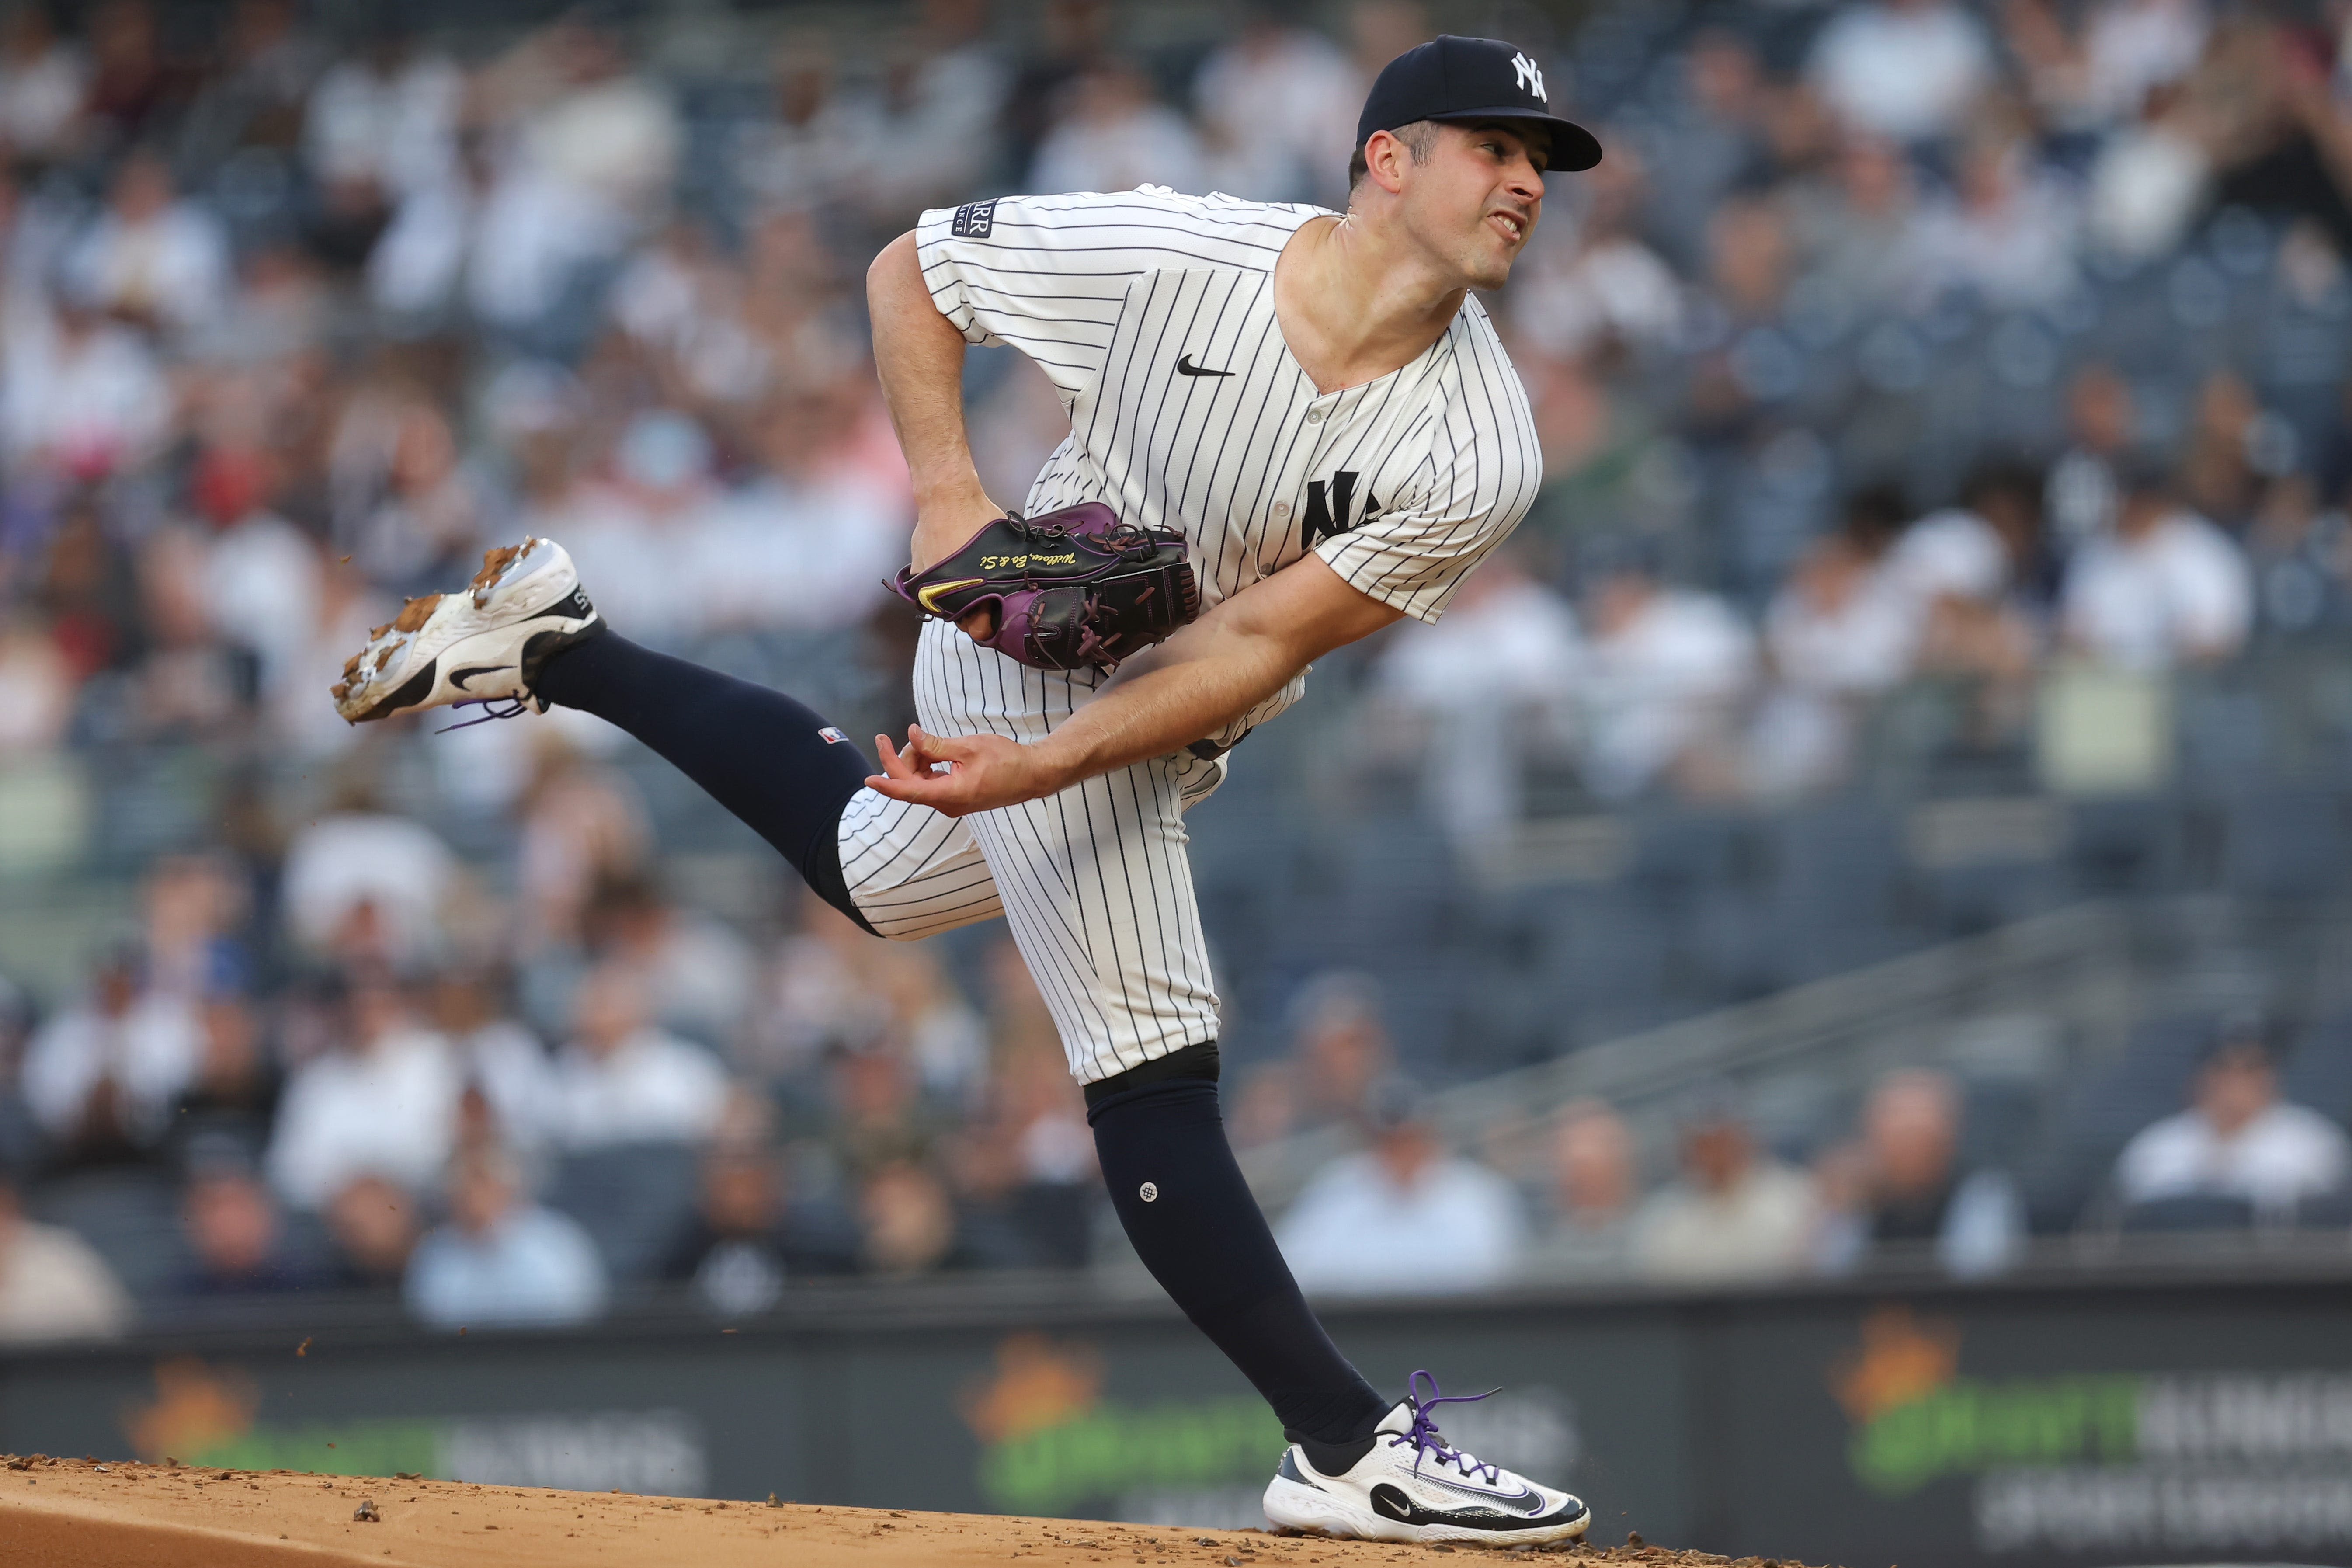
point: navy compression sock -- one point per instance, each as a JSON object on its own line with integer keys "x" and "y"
{"x": 759, "y": 753}
{"x": 1203, "y": 1235}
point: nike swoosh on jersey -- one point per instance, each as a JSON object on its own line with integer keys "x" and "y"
{"x": 457, "y": 677}
{"x": 1184, "y": 366}
{"x": 929, "y": 597}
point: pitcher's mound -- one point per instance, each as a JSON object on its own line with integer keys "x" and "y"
{"x": 163, "y": 1516}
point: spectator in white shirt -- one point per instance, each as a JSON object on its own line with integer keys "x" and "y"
{"x": 101, "y": 1077}
{"x": 2100, "y": 73}
{"x": 2160, "y": 589}
{"x": 261, "y": 573}
{"x": 1664, "y": 668}
{"x": 385, "y": 120}
{"x": 2008, "y": 235}
{"x": 929, "y": 135}
{"x": 1113, "y": 134}
{"x": 42, "y": 83}
{"x": 53, "y": 1285}
{"x": 1855, "y": 224}
{"x": 361, "y": 882}
{"x": 1404, "y": 1218}
{"x": 2237, "y": 1139}
{"x": 1980, "y": 551}
{"x": 621, "y": 1081}
{"x": 1839, "y": 626}
{"x": 496, "y": 1054}
{"x": 82, "y": 395}
{"x": 818, "y": 137}
{"x": 805, "y": 541}
{"x": 1971, "y": 575}
{"x": 644, "y": 527}
{"x": 151, "y": 255}
{"x": 1839, "y": 632}
{"x": 1735, "y": 1213}
{"x": 502, "y": 1260}
{"x": 1599, "y": 284}
{"x": 1278, "y": 105}
{"x": 37, "y": 684}
{"x": 1493, "y": 677}
{"x": 1903, "y": 68}
{"x": 383, "y": 1102}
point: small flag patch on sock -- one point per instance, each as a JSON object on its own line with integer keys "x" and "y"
{"x": 834, "y": 737}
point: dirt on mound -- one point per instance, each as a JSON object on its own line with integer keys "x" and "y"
{"x": 124, "y": 1515}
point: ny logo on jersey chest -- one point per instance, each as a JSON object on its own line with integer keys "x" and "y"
{"x": 1326, "y": 516}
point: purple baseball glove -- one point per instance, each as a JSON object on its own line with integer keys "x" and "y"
{"x": 1071, "y": 587}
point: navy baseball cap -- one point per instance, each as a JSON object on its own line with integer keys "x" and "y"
{"x": 1453, "y": 77}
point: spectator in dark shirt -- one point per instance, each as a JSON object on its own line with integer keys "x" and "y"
{"x": 233, "y": 1096}
{"x": 373, "y": 1223}
{"x": 235, "y": 1235}
{"x": 746, "y": 1241}
{"x": 909, "y": 1222}
{"x": 1906, "y": 1192}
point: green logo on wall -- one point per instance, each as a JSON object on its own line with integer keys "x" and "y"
{"x": 1112, "y": 1449}
{"x": 1049, "y": 1439}
{"x": 1917, "y": 1419}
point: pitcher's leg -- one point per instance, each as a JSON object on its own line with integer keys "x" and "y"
{"x": 772, "y": 761}
{"x": 913, "y": 872}
{"x": 1098, "y": 888}
{"x": 1182, "y": 1201}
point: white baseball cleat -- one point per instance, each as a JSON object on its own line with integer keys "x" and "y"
{"x": 1412, "y": 1486}
{"x": 483, "y": 644}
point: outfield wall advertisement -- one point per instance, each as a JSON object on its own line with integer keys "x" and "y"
{"x": 2016, "y": 1426}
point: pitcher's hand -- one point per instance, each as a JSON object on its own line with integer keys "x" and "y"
{"x": 943, "y": 522}
{"x": 983, "y": 772}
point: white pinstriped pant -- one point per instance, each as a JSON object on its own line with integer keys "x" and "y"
{"x": 1094, "y": 882}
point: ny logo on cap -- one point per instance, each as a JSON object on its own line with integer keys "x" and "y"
{"x": 1530, "y": 79}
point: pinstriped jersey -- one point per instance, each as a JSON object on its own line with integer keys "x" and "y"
{"x": 1152, "y": 313}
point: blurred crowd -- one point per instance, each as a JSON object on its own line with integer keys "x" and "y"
{"x": 407, "y": 1138}
{"x": 649, "y": 1100}
{"x": 1894, "y": 341}
{"x": 1908, "y": 345}
{"x": 1577, "y": 1199}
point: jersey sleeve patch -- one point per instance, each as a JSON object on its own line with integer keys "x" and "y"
{"x": 974, "y": 220}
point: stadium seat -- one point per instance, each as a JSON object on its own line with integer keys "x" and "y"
{"x": 635, "y": 1200}
{"x": 2188, "y": 1214}
{"x": 131, "y": 1218}
{"x": 2324, "y": 1211}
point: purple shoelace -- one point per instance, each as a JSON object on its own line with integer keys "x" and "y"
{"x": 1422, "y": 1433}
{"x": 516, "y": 711}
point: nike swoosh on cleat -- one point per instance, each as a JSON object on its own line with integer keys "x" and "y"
{"x": 1392, "y": 1502}
{"x": 457, "y": 677}
{"x": 1184, "y": 366}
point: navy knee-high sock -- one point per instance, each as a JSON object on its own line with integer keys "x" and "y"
{"x": 768, "y": 759}
{"x": 1180, "y": 1195}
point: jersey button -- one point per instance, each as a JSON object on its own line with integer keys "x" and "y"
{"x": 1281, "y": 511}
{"x": 1314, "y": 416}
